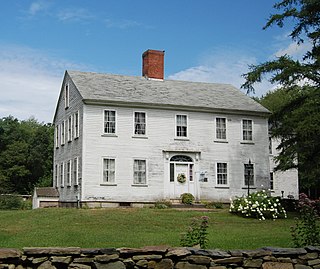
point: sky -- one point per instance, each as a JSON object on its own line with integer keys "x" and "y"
{"x": 204, "y": 40}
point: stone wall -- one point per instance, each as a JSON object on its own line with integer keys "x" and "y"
{"x": 160, "y": 257}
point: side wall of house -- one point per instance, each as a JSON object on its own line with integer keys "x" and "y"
{"x": 71, "y": 149}
{"x": 285, "y": 183}
{"x": 160, "y": 144}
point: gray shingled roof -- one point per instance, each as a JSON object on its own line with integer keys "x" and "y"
{"x": 106, "y": 88}
{"x": 47, "y": 192}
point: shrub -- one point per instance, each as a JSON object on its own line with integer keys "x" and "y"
{"x": 196, "y": 234}
{"x": 163, "y": 204}
{"x": 307, "y": 229}
{"x": 8, "y": 202}
{"x": 258, "y": 205}
{"x": 187, "y": 198}
{"x": 211, "y": 204}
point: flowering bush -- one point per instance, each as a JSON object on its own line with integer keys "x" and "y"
{"x": 196, "y": 235}
{"x": 307, "y": 228}
{"x": 258, "y": 205}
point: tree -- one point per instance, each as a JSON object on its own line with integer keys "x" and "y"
{"x": 296, "y": 102}
{"x": 26, "y": 149}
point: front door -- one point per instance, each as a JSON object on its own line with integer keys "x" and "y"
{"x": 181, "y": 176}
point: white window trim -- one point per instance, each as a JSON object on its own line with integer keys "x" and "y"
{"x": 57, "y": 135}
{"x": 63, "y": 133}
{"x": 216, "y": 139}
{"x": 66, "y": 95}
{"x": 68, "y": 175}
{"x": 228, "y": 175}
{"x": 70, "y": 125}
{"x": 76, "y": 127}
{"x": 75, "y": 171}
{"x": 146, "y": 125}
{"x": 140, "y": 184}
{"x": 247, "y": 141}
{"x": 176, "y": 126}
{"x": 103, "y": 122}
{"x": 104, "y": 183}
{"x": 61, "y": 175}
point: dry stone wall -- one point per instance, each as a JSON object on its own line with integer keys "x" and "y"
{"x": 159, "y": 257}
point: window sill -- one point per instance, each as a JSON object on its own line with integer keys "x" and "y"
{"x": 77, "y": 137}
{"x": 109, "y": 135}
{"x": 182, "y": 138}
{"x": 251, "y": 188}
{"x": 108, "y": 184}
{"x": 247, "y": 142}
{"x": 222, "y": 187}
{"x": 221, "y": 141}
{"x": 140, "y": 136}
{"x": 139, "y": 185}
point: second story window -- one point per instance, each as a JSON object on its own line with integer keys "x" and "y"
{"x": 69, "y": 128}
{"x": 57, "y": 136}
{"x": 139, "y": 123}
{"x": 221, "y": 128}
{"x": 181, "y": 126}
{"x": 247, "y": 130}
{"x": 62, "y": 133}
{"x": 109, "y": 122}
{"x": 76, "y": 124}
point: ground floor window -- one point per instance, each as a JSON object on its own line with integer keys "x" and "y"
{"x": 108, "y": 170}
{"x": 222, "y": 173}
{"x": 139, "y": 172}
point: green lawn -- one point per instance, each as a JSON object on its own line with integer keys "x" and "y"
{"x": 103, "y": 228}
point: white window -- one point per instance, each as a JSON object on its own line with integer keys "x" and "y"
{"x": 76, "y": 124}
{"x": 75, "y": 171}
{"x": 56, "y": 175}
{"x": 139, "y": 172}
{"x": 139, "y": 123}
{"x": 222, "y": 173}
{"x": 66, "y": 95}
{"x": 57, "y": 136}
{"x": 70, "y": 128}
{"x": 221, "y": 128}
{"x": 248, "y": 174}
{"x": 61, "y": 174}
{"x": 109, "y": 170}
{"x": 62, "y": 133}
{"x": 68, "y": 172}
{"x": 109, "y": 122}
{"x": 181, "y": 126}
{"x": 247, "y": 130}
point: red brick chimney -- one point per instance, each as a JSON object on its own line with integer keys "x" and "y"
{"x": 153, "y": 64}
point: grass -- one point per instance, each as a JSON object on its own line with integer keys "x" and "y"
{"x": 104, "y": 228}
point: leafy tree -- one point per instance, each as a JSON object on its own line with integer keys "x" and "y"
{"x": 25, "y": 155}
{"x": 296, "y": 102}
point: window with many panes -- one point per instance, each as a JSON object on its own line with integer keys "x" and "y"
{"x": 62, "y": 136}
{"x": 66, "y": 95}
{"x": 248, "y": 174}
{"x": 109, "y": 170}
{"x": 109, "y": 121}
{"x": 247, "y": 130}
{"x": 181, "y": 125}
{"x": 61, "y": 174}
{"x": 68, "y": 173}
{"x": 76, "y": 124}
{"x": 139, "y": 123}
{"x": 222, "y": 173}
{"x": 221, "y": 128}
{"x": 69, "y": 128}
{"x": 75, "y": 168}
{"x": 139, "y": 172}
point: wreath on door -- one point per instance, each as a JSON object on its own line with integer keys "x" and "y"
{"x": 181, "y": 178}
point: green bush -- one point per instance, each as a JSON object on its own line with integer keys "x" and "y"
{"x": 212, "y": 204}
{"x": 163, "y": 204}
{"x": 196, "y": 234}
{"x": 258, "y": 205}
{"x": 10, "y": 202}
{"x": 187, "y": 198}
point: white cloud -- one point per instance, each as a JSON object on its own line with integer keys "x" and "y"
{"x": 74, "y": 15}
{"x": 30, "y": 82}
{"x": 38, "y": 6}
{"x": 222, "y": 66}
{"x": 124, "y": 24}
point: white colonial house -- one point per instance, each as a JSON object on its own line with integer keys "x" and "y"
{"x": 123, "y": 140}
